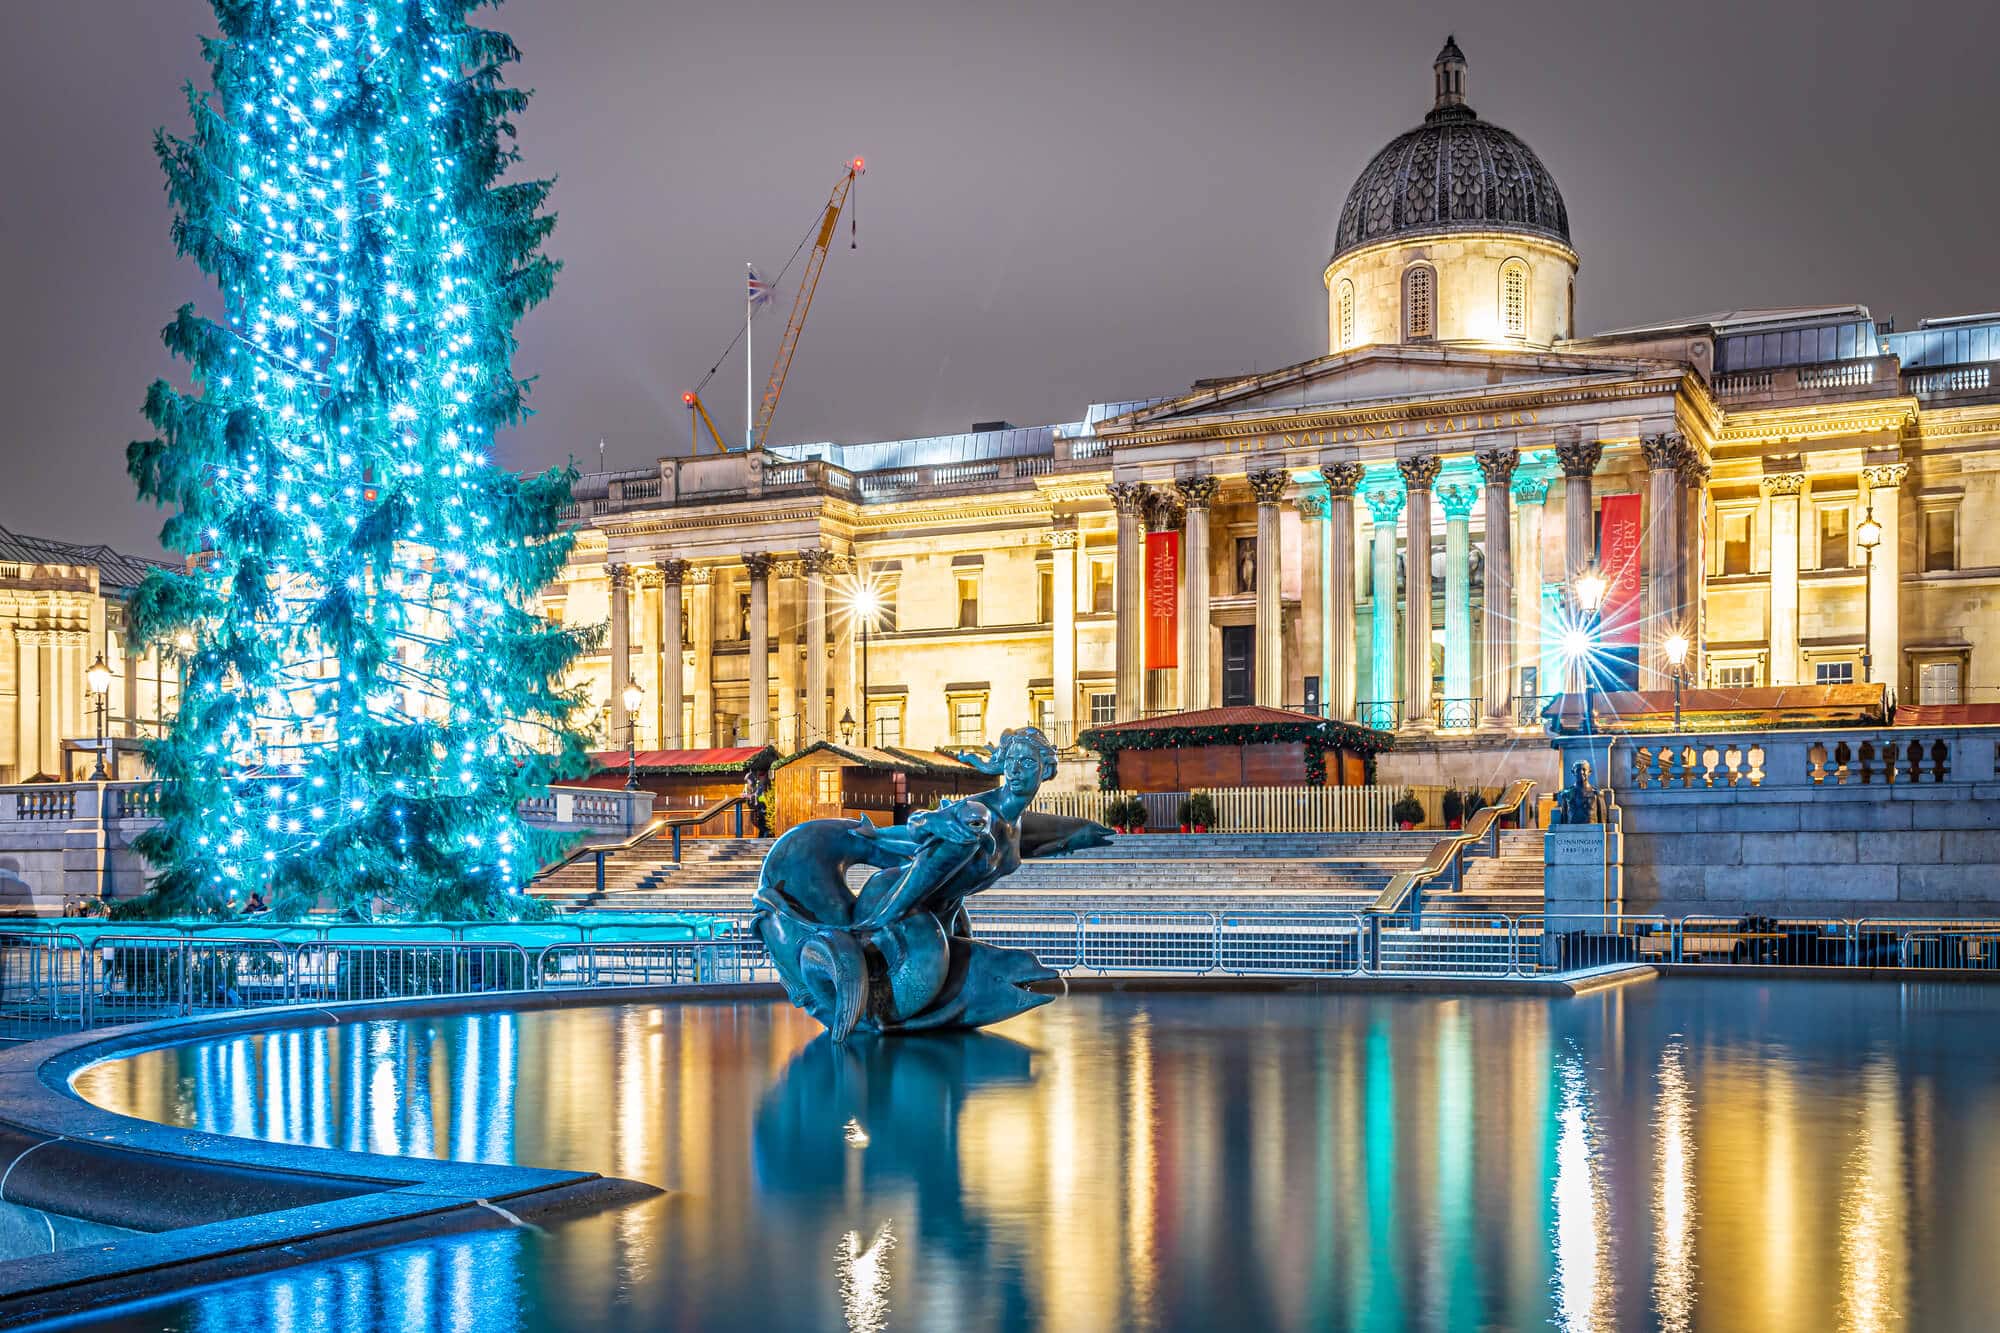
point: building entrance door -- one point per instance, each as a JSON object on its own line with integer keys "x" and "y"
{"x": 1239, "y": 663}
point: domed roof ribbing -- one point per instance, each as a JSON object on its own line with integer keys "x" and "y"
{"x": 1455, "y": 172}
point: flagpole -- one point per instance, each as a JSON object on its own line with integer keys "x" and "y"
{"x": 749, "y": 360}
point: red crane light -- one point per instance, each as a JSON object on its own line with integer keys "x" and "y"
{"x": 859, "y": 166}
{"x": 687, "y": 400}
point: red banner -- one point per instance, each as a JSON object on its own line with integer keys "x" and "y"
{"x": 1163, "y": 591}
{"x": 1619, "y": 535}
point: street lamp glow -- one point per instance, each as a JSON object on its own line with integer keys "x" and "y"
{"x": 1590, "y": 589}
{"x": 634, "y": 696}
{"x": 866, "y": 602}
{"x": 98, "y": 676}
{"x": 1868, "y": 533}
{"x": 1676, "y": 647}
{"x": 1576, "y": 643}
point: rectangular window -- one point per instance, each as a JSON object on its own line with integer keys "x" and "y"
{"x": 1103, "y": 709}
{"x": 1045, "y": 597}
{"x": 1101, "y": 586}
{"x": 1042, "y": 708}
{"x": 1736, "y": 676}
{"x": 1736, "y": 542}
{"x": 968, "y": 601}
{"x": 827, "y": 785}
{"x": 1833, "y": 536}
{"x": 1833, "y": 673}
{"x": 1940, "y": 539}
{"x": 968, "y": 719}
{"x": 885, "y": 723}
{"x": 1938, "y": 683}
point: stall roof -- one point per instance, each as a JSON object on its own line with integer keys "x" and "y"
{"x": 886, "y": 759}
{"x": 728, "y": 759}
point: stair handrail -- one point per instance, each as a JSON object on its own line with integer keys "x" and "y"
{"x": 1447, "y": 857}
{"x": 657, "y": 825}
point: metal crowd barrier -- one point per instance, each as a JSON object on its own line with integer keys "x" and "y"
{"x": 52, "y": 981}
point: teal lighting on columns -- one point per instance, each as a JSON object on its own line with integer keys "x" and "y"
{"x": 1531, "y": 492}
{"x": 1383, "y": 490}
{"x": 1458, "y": 492}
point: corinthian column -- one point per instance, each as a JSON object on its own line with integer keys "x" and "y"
{"x": 1197, "y": 493}
{"x": 1130, "y": 498}
{"x": 1497, "y": 684}
{"x": 1384, "y": 507}
{"x": 1661, "y": 613}
{"x": 815, "y": 564}
{"x": 1531, "y": 494}
{"x": 1338, "y": 688}
{"x": 1579, "y": 459}
{"x": 620, "y": 578}
{"x": 1781, "y": 491}
{"x": 1457, "y": 500}
{"x": 1062, "y": 544}
{"x": 759, "y": 566}
{"x": 673, "y": 685}
{"x": 1885, "y": 621}
{"x": 1419, "y": 473}
{"x": 1312, "y": 600}
{"x": 1269, "y": 488}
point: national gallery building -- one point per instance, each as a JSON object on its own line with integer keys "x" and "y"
{"x": 1388, "y": 532}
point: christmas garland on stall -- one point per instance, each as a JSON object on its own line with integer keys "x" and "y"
{"x": 1318, "y": 735}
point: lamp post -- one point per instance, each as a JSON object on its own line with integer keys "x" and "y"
{"x": 98, "y": 677}
{"x": 1868, "y": 536}
{"x": 865, "y": 604}
{"x": 634, "y": 696}
{"x": 1588, "y": 590}
{"x": 1677, "y": 646}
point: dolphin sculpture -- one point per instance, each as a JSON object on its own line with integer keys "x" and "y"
{"x": 898, "y": 956}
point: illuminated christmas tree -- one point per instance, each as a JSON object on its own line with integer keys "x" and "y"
{"x": 369, "y": 692}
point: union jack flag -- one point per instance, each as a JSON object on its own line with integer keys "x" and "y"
{"x": 760, "y": 291}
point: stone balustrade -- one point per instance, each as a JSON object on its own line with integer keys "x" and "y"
{"x": 1843, "y": 822}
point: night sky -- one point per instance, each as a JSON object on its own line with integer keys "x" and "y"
{"x": 1066, "y": 201}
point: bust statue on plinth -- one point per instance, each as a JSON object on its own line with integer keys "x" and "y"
{"x": 1579, "y": 802}
{"x": 899, "y": 955}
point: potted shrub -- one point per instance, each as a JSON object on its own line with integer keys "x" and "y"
{"x": 1184, "y": 814}
{"x": 1475, "y": 801}
{"x": 1454, "y": 808}
{"x": 1408, "y": 812}
{"x": 1201, "y": 811}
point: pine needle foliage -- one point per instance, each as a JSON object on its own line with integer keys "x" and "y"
{"x": 369, "y": 692}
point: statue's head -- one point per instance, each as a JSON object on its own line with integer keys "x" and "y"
{"x": 1582, "y": 771}
{"x": 1025, "y": 760}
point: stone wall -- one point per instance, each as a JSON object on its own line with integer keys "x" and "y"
{"x": 1839, "y": 823}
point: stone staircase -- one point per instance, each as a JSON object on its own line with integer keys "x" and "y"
{"x": 1315, "y": 872}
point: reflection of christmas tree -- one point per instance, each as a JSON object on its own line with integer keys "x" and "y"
{"x": 369, "y": 693}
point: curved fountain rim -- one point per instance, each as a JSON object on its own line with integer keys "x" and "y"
{"x": 393, "y": 1198}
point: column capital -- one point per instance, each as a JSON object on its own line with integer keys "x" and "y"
{"x": 1419, "y": 470}
{"x": 1885, "y": 476}
{"x": 1579, "y": 458}
{"x": 1665, "y": 452}
{"x": 673, "y": 570}
{"x": 817, "y": 561}
{"x": 1268, "y": 485}
{"x": 1694, "y": 472}
{"x": 1164, "y": 511}
{"x": 1342, "y": 479}
{"x": 1497, "y": 465}
{"x": 1128, "y": 496}
{"x": 1063, "y": 539}
{"x": 1312, "y": 507}
{"x": 1782, "y": 483}
{"x": 1457, "y": 499}
{"x": 759, "y": 563}
{"x": 1384, "y": 504}
{"x": 1196, "y": 492}
{"x": 619, "y": 575}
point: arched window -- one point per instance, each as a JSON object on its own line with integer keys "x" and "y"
{"x": 1514, "y": 298}
{"x": 1419, "y": 303}
{"x": 1346, "y": 314}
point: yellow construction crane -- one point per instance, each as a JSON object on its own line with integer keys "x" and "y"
{"x": 781, "y": 365}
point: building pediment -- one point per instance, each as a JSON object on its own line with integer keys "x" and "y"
{"x": 1380, "y": 376}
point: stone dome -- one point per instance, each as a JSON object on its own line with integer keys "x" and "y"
{"x": 1454, "y": 172}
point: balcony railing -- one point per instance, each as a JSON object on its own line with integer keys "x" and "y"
{"x": 1455, "y": 714}
{"x": 1528, "y": 709}
{"x": 1379, "y": 714}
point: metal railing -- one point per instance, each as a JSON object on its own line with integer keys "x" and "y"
{"x": 1445, "y": 866}
{"x": 1379, "y": 714}
{"x": 1528, "y": 709}
{"x": 1455, "y": 714}
{"x": 56, "y": 981}
{"x": 1356, "y": 809}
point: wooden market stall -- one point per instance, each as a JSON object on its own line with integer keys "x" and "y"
{"x": 1232, "y": 747}
{"x": 685, "y": 781}
{"x": 829, "y": 780}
